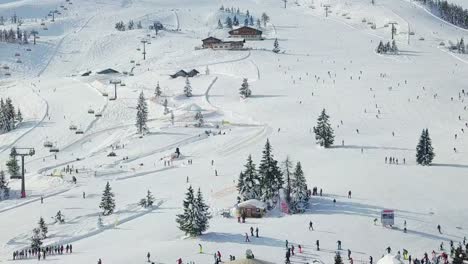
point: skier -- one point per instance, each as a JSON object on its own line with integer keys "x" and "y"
{"x": 219, "y": 256}
{"x": 334, "y": 202}
{"x": 200, "y": 248}
{"x": 349, "y": 194}
{"x": 311, "y": 226}
{"x": 84, "y": 195}
{"x": 247, "y": 237}
{"x": 318, "y": 245}
{"x": 300, "y": 248}
{"x": 439, "y": 228}
{"x": 288, "y": 255}
{"x": 292, "y": 250}
{"x": 287, "y": 244}
{"x": 389, "y": 250}
{"x": 256, "y": 232}
{"x": 371, "y": 260}
{"x": 339, "y": 244}
{"x": 148, "y": 256}
{"x": 251, "y": 231}
{"x": 349, "y": 253}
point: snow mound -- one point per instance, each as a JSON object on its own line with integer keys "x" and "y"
{"x": 193, "y": 108}
{"x": 253, "y": 202}
{"x": 389, "y": 259}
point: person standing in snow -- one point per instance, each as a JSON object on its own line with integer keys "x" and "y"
{"x": 251, "y": 231}
{"x": 339, "y": 244}
{"x": 349, "y": 194}
{"x": 288, "y": 255}
{"x": 317, "y": 243}
{"x": 219, "y": 256}
{"x": 349, "y": 253}
{"x": 256, "y": 232}
{"x": 287, "y": 244}
{"x": 200, "y": 248}
{"x": 439, "y": 228}
{"x": 292, "y": 250}
{"x": 247, "y": 237}
{"x": 179, "y": 261}
{"x": 371, "y": 260}
{"x": 311, "y": 226}
{"x": 148, "y": 256}
{"x": 389, "y": 250}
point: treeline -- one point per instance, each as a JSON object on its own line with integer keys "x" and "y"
{"x": 9, "y": 117}
{"x": 239, "y": 18}
{"x": 14, "y": 36}
{"x": 451, "y": 13}
{"x": 14, "y": 19}
{"x": 131, "y": 25}
{"x": 387, "y": 48}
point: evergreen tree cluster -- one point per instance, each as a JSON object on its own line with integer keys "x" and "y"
{"x": 142, "y": 114}
{"x": 459, "y": 47}
{"x": 121, "y": 26}
{"x": 14, "y": 19}
{"x": 107, "y": 201}
{"x": 459, "y": 256}
{"x": 4, "y": 189}
{"x": 14, "y": 36}
{"x": 245, "y": 18}
{"x": 188, "y": 88}
{"x": 424, "y": 150}
{"x": 39, "y": 234}
{"x": 148, "y": 201}
{"x": 12, "y": 164}
{"x": 323, "y": 131}
{"x": 264, "y": 183}
{"x": 194, "y": 220}
{"x": 388, "y": 48}
{"x": 9, "y": 117}
{"x": 199, "y": 119}
{"x": 449, "y": 12}
{"x": 276, "y": 48}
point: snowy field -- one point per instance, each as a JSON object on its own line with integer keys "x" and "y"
{"x": 325, "y": 62}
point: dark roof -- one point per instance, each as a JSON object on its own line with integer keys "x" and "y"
{"x": 86, "y": 73}
{"x": 211, "y": 38}
{"x": 194, "y": 71}
{"x": 107, "y": 71}
{"x": 258, "y": 32}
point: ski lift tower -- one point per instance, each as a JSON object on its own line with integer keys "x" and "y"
{"x": 144, "y": 48}
{"x": 115, "y": 83}
{"x": 393, "y": 23}
{"x": 22, "y": 152}
{"x": 327, "y": 8}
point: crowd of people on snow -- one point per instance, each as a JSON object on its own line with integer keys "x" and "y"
{"x": 42, "y": 252}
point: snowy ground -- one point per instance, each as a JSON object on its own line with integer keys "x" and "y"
{"x": 53, "y": 96}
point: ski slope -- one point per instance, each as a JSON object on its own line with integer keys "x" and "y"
{"x": 328, "y": 62}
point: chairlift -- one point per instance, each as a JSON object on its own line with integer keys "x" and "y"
{"x": 112, "y": 99}
{"x": 79, "y": 132}
{"x": 6, "y": 67}
{"x": 123, "y": 84}
{"x": 17, "y": 54}
{"x": 72, "y": 127}
{"x": 105, "y": 94}
{"x": 48, "y": 144}
{"x": 90, "y": 111}
{"x": 54, "y": 150}
{"x": 28, "y": 49}
{"x": 19, "y": 61}
{"x": 98, "y": 115}
{"x": 7, "y": 74}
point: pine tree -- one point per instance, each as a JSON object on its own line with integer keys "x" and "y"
{"x": 461, "y": 46}
{"x": 220, "y": 25}
{"x": 194, "y": 220}
{"x": 246, "y": 22}
{"x": 157, "y": 91}
{"x": 271, "y": 178}
{"x": 142, "y": 114}
{"x": 380, "y": 47}
{"x": 299, "y": 195}
{"x": 43, "y": 228}
{"x": 228, "y": 22}
{"x": 251, "y": 21}
{"x": 259, "y": 24}
{"x": 338, "y": 259}
{"x": 394, "y": 47}
{"x": 459, "y": 256}
{"x": 424, "y": 150}
{"x": 202, "y": 214}
{"x": 59, "y": 218}
{"x": 245, "y": 91}
{"x": 107, "y": 201}
{"x": 12, "y": 164}
{"x": 149, "y": 199}
{"x": 276, "y": 48}
{"x": 36, "y": 239}
{"x": 287, "y": 167}
{"x": 187, "y": 88}
{"x": 235, "y": 21}
{"x": 265, "y": 19}
{"x": 4, "y": 189}
{"x": 249, "y": 182}
{"x": 199, "y": 119}
{"x": 323, "y": 131}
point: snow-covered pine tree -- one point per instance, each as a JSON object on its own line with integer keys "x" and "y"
{"x": 338, "y": 259}
{"x": 139, "y": 26}
{"x": 246, "y": 22}
{"x": 59, "y": 218}
{"x": 287, "y": 171}
{"x": 36, "y": 239}
{"x": 249, "y": 182}
{"x": 199, "y": 119}
{"x": 380, "y": 48}
{"x": 187, "y": 88}
{"x": 220, "y": 25}
{"x": 120, "y": 26}
{"x": 235, "y": 21}
{"x": 19, "y": 117}
{"x": 424, "y": 150}
{"x": 323, "y": 131}
{"x": 142, "y": 114}
{"x": 186, "y": 220}
{"x": 12, "y": 164}
{"x": 202, "y": 214}
{"x": 271, "y": 178}
{"x": 143, "y": 203}
{"x": 107, "y": 201}
{"x": 265, "y": 19}
{"x": 228, "y": 22}
{"x": 245, "y": 91}
{"x": 149, "y": 199}
{"x": 131, "y": 25}
{"x": 157, "y": 91}
{"x": 276, "y": 48}
{"x": 4, "y": 189}
{"x": 251, "y": 21}
{"x": 394, "y": 48}
{"x": 299, "y": 195}
{"x": 388, "y": 47}
{"x": 43, "y": 228}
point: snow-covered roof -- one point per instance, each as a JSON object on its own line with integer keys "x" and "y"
{"x": 250, "y": 261}
{"x": 389, "y": 259}
{"x": 253, "y": 202}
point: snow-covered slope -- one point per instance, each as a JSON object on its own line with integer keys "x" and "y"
{"x": 378, "y": 105}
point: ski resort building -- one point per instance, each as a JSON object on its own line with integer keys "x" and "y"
{"x": 251, "y": 209}
{"x": 247, "y": 33}
{"x": 214, "y": 43}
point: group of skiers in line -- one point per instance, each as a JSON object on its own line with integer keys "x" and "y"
{"x": 42, "y": 252}
{"x": 290, "y": 251}
{"x": 251, "y": 234}
{"x": 393, "y": 160}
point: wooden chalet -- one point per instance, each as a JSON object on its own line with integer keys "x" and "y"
{"x": 214, "y": 43}
{"x": 247, "y": 33}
